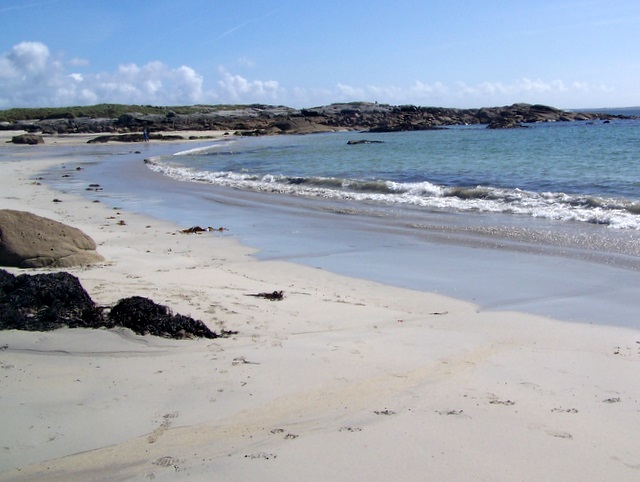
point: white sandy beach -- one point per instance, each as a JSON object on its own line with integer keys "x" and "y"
{"x": 344, "y": 379}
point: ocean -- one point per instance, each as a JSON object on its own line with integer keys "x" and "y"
{"x": 543, "y": 219}
{"x": 584, "y": 172}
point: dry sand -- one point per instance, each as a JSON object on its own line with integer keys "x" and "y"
{"x": 342, "y": 380}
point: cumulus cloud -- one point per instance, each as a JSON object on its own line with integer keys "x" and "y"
{"x": 351, "y": 92}
{"x": 29, "y": 57}
{"x": 521, "y": 88}
{"x": 422, "y": 89}
{"x": 237, "y": 88}
{"x": 311, "y": 96}
{"x": 466, "y": 95}
{"x": 30, "y": 77}
{"x": 152, "y": 83}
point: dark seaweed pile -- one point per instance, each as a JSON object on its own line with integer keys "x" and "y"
{"x": 45, "y": 302}
{"x": 143, "y": 316}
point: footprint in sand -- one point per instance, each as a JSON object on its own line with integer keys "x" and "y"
{"x": 551, "y": 432}
{"x": 450, "y": 412}
{"x": 166, "y": 462}
{"x": 502, "y": 402}
{"x": 564, "y": 410}
{"x": 288, "y": 436}
{"x": 350, "y": 429}
{"x": 494, "y": 400}
{"x": 260, "y": 455}
{"x": 164, "y": 426}
{"x": 386, "y": 411}
{"x": 557, "y": 434}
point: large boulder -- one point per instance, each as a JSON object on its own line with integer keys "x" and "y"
{"x": 31, "y": 241}
{"x": 31, "y": 139}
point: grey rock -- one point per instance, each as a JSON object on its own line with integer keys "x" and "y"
{"x": 30, "y": 139}
{"x": 31, "y": 241}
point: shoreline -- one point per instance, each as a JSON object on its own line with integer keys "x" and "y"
{"x": 338, "y": 379}
{"x": 578, "y": 273}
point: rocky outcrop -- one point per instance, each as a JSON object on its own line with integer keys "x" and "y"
{"x": 385, "y": 118}
{"x": 504, "y": 124}
{"x": 260, "y": 119}
{"x": 133, "y": 138}
{"x": 31, "y": 241}
{"x": 355, "y": 142}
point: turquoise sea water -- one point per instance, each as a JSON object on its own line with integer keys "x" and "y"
{"x": 541, "y": 219}
{"x": 575, "y": 172}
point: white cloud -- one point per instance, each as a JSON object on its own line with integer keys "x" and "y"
{"x": 188, "y": 84}
{"x": 7, "y": 70}
{"x": 580, "y": 86}
{"x": 606, "y": 88}
{"x": 351, "y": 92}
{"x": 29, "y": 57}
{"x": 239, "y": 89}
{"x": 31, "y": 76}
{"x": 441, "y": 94}
{"x": 525, "y": 86}
{"x": 311, "y": 96}
{"x": 422, "y": 89}
{"x": 458, "y": 94}
{"x": 77, "y": 62}
{"x": 246, "y": 62}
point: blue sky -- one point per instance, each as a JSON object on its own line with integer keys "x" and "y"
{"x": 303, "y": 53}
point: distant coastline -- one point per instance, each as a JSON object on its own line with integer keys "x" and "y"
{"x": 624, "y": 111}
{"x": 127, "y": 122}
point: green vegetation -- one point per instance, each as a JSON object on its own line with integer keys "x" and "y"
{"x": 110, "y": 111}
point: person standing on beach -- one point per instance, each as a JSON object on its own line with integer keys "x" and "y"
{"x": 145, "y": 135}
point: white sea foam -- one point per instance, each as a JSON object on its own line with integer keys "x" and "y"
{"x": 204, "y": 149}
{"x": 556, "y": 206}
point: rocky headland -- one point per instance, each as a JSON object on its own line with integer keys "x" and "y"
{"x": 270, "y": 120}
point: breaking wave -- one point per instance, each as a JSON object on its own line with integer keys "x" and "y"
{"x": 616, "y": 213}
